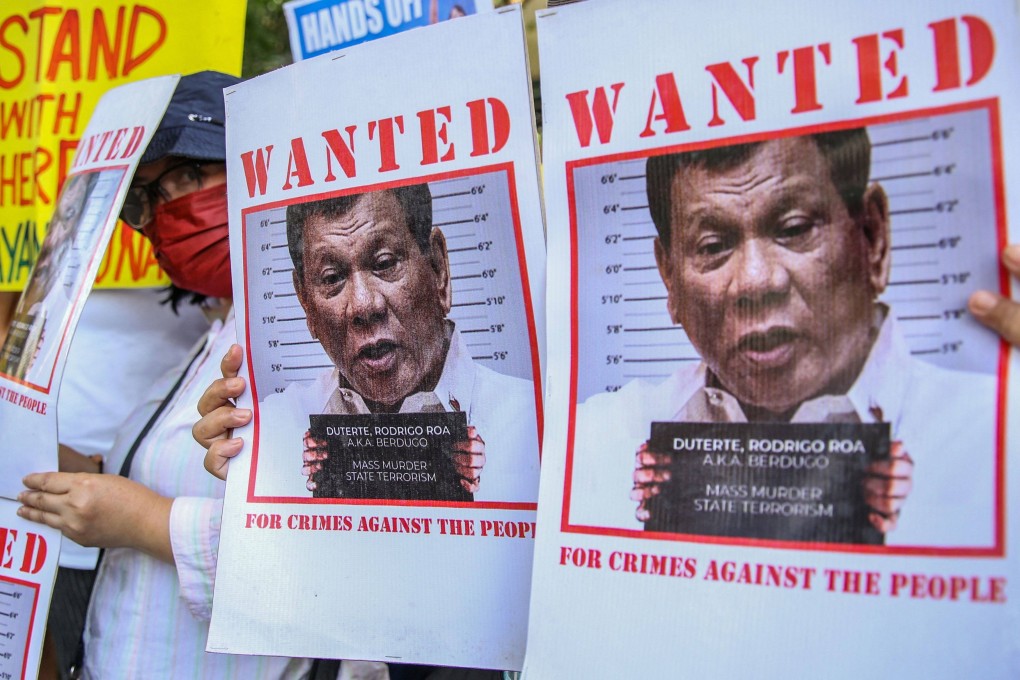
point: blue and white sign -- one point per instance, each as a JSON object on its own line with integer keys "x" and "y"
{"x": 319, "y": 26}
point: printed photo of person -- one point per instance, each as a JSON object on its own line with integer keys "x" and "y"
{"x": 450, "y": 10}
{"x": 773, "y": 255}
{"x": 42, "y": 308}
{"x": 372, "y": 275}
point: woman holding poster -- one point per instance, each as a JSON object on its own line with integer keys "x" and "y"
{"x": 159, "y": 520}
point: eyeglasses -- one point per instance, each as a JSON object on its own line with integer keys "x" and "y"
{"x": 172, "y": 183}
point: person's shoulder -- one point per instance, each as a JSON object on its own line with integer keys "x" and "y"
{"x": 506, "y": 390}
{"x": 612, "y": 409}
{"x": 485, "y": 374}
{"x": 303, "y": 395}
{"x": 944, "y": 393}
{"x": 928, "y": 373}
{"x": 640, "y": 393}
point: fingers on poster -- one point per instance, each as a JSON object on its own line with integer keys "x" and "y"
{"x": 367, "y": 323}
{"x": 695, "y": 345}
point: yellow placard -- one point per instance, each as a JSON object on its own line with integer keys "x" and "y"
{"x": 56, "y": 61}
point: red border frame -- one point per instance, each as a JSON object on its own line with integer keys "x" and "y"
{"x": 508, "y": 168}
{"x": 78, "y": 300}
{"x": 999, "y": 547}
{"x": 31, "y": 620}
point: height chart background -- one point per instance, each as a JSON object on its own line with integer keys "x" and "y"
{"x": 18, "y": 600}
{"x": 489, "y": 307}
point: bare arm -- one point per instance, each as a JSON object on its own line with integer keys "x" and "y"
{"x": 69, "y": 460}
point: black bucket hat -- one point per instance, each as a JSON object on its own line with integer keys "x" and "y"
{"x": 193, "y": 125}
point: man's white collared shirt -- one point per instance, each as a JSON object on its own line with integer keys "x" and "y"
{"x": 945, "y": 419}
{"x": 500, "y": 407}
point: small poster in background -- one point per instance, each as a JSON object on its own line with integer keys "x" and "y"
{"x": 390, "y": 241}
{"x": 320, "y": 26}
{"x": 771, "y": 422}
{"x": 32, "y": 357}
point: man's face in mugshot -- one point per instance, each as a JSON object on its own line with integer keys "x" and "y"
{"x": 70, "y": 205}
{"x": 61, "y": 229}
{"x": 72, "y": 200}
{"x": 375, "y": 301}
{"x": 770, "y": 275}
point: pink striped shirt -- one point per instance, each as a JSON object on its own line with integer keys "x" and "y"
{"x": 148, "y": 618}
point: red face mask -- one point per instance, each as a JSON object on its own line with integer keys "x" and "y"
{"x": 189, "y": 238}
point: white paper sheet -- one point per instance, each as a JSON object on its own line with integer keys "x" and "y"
{"x": 748, "y": 310}
{"x": 424, "y": 578}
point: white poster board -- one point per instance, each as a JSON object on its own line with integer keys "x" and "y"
{"x": 33, "y": 356}
{"x": 28, "y": 565}
{"x": 390, "y": 235}
{"x": 779, "y": 223}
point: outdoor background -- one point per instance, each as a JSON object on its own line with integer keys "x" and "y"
{"x": 267, "y": 47}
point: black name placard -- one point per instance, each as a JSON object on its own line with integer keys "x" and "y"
{"x": 780, "y": 481}
{"x": 395, "y": 456}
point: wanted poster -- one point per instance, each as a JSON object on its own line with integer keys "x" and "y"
{"x": 28, "y": 565}
{"x": 33, "y": 354}
{"x": 87, "y": 208}
{"x": 389, "y": 235}
{"x": 771, "y": 420}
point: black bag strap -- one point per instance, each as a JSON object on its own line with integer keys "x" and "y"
{"x": 125, "y": 468}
